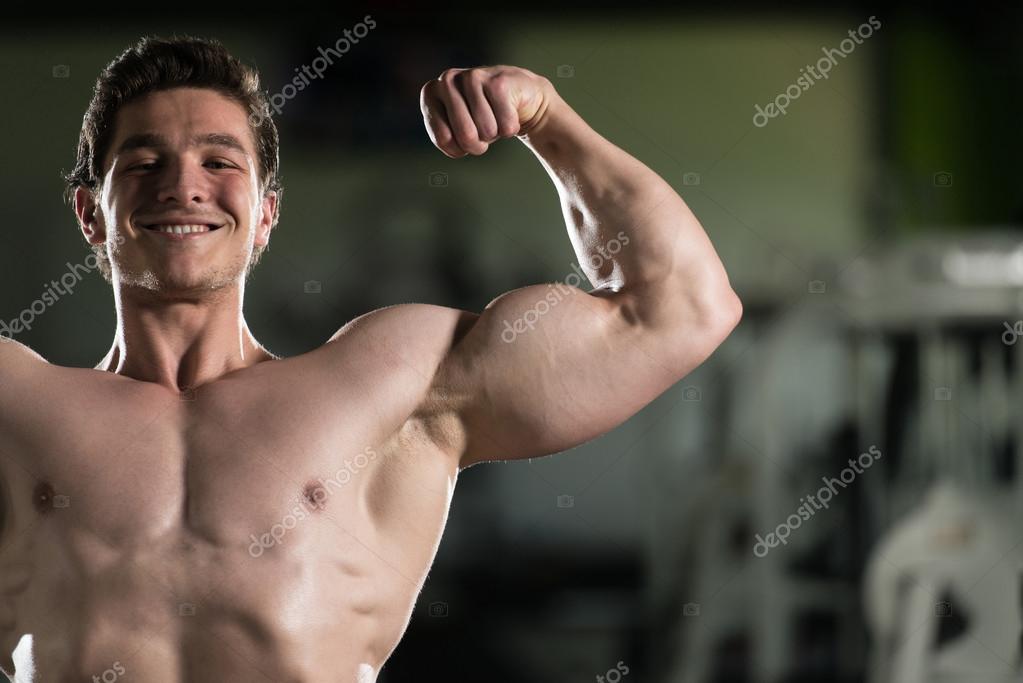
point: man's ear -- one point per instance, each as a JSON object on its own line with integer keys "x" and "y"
{"x": 267, "y": 219}
{"x": 85, "y": 209}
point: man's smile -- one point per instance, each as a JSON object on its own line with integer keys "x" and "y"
{"x": 180, "y": 228}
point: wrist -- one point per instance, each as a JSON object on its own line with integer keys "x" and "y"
{"x": 557, "y": 132}
{"x": 549, "y": 116}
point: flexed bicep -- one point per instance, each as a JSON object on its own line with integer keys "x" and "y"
{"x": 548, "y": 367}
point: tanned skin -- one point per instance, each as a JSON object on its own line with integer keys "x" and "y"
{"x": 195, "y": 508}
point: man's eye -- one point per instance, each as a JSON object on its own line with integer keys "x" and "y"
{"x": 145, "y": 167}
{"x": 221, "y": 164}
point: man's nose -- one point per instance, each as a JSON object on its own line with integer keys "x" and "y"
{"x": 184, "y": 182}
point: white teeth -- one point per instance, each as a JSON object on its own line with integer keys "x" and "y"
{"x": 181, "y": 229}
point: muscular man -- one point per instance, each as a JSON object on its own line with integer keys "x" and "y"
{"x": 195, "y": 508}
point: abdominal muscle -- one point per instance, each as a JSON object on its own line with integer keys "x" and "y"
{"x": 328, "y": 602}
{"x": 298, "y": 617}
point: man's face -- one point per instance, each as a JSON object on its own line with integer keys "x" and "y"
{"x": 179, "y": 157}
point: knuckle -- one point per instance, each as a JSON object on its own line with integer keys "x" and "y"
{"x": 488, "y": 132}
{"x": 466, "y": 136}
{"x": 499, "y": 84}
{"x": 468, "y": 143}
{"x": 507, "y": 127}
{"x": 442, "y": 138}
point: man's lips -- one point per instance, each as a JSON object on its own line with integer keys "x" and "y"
{"x": 152, "y": 225}
{"x": 181, "y": 230}
{"x": 176, "y": 231}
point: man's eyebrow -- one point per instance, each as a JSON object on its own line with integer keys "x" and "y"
{"x": 142, "y": 140}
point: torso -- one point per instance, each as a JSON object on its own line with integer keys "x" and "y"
{"x": 276, "y": 524}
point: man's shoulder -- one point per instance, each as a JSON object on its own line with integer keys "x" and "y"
{"x": 401, "y": 350}
{"x": 22, "y": 372}
{"x": 410, "y": 318}
{"x": 16, "y": 357}
{"x": 421, "y": 334}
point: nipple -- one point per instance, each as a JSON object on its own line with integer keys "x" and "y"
{"x": 315, "y": 495}
{"x": 43, "y": 497}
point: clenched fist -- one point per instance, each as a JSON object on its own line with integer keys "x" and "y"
{"x": 466, "y": 109}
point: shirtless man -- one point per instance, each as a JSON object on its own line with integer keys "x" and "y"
{"x": 195, "y": 508}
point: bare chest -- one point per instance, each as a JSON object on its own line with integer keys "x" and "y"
{"x": 242, "y": 468}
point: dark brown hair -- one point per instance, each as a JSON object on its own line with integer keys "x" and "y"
{"x": 155, "y": 64}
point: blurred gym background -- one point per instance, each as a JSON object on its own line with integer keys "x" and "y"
{"x": 872, "y": 232}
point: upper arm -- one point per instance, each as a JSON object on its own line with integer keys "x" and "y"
{"x": 12, "y": 577}
{"x": 17, "y": 364}
{"x": 545, "y": 368}
{"x": 19, "y": 373}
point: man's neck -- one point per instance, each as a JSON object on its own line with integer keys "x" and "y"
{"x": 181, "y": 343}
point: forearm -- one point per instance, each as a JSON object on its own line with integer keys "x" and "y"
{"x": 632, "y": 233}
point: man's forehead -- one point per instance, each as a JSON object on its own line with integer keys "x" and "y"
{"x": 182, "y": 116}
{"x": 184, "y": 104}
{"x": 150, "y": 140}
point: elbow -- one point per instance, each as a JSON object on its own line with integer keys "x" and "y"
{"x": 692, "y": 323}
{"x": 713, "y": 321}
{"x": 707, "y": 328}
{"x": 730, "y": 311}
{"x": 712, "y": 306}
{"x": 714, "y": 310}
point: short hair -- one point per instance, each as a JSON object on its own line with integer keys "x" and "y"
{"x": 155, "y": 64}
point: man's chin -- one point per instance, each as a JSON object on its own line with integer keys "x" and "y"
{"x": 178, "y": 283}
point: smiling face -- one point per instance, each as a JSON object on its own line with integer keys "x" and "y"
{"x": 179, "y": 157}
